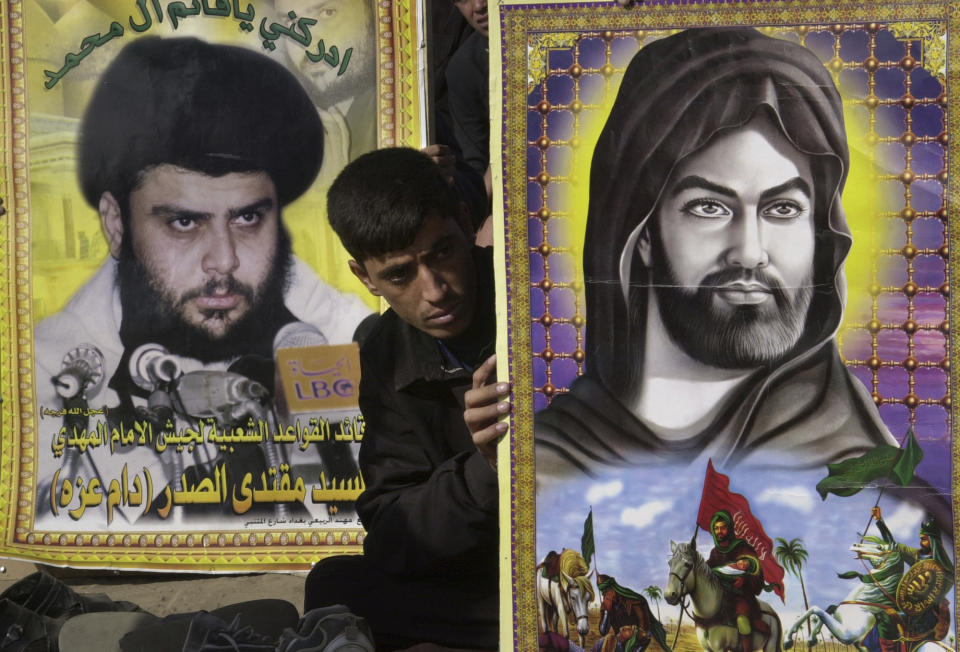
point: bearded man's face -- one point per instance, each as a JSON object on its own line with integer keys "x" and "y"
{"x": 203, "y": 262}
{"x": 732, "y": 248}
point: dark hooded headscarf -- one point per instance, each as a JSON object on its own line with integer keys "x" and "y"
{"x": 677, "y": 94}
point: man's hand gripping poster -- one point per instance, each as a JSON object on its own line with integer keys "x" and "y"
{"x": 728, "y": 278}
{"x": 179, "y": 376}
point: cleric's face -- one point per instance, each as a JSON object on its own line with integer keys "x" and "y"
{"x": 208, "y": 244}
{"x": 346, "y": 25}
{"x": 732, "y": 249}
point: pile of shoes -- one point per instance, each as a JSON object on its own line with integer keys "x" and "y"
{"x": 34, "y": 611}
{"x": 42, "y": 614}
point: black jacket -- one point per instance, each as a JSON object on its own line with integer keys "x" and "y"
{"x": 430, "y": 504}
{"x": 468, "y": 97}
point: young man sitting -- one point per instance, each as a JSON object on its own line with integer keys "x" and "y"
{"x": 428, "y": 458}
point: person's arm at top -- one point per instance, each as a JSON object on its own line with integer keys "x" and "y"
{"x": 467, "y": 99}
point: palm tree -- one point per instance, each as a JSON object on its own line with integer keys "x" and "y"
{"x": 792, "y": 555}
{"x": 654, "y": 593}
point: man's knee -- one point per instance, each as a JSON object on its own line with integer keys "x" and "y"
{"x": 335, "y": 580}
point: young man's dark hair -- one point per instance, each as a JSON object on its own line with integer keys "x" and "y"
{"x": 429, "y": 569}
{"x": 410, "y": 188}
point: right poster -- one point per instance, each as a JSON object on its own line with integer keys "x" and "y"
{"x": 727, "y": 261}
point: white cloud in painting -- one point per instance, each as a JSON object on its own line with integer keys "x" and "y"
{"x": 599, "y": 492}
{"x": 904, "y": 523}
{"x": 797, "y": 497}
{"x": 644, "y": 515}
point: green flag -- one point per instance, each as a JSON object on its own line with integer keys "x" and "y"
{"x": 906, "y": 464}
{"x": 586, "y": 541}
{"x": 885, "y": 461}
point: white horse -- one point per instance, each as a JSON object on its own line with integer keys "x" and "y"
{"x": 852, "y": 619}
{"x": 571, "y": 593}
{"x": 691, "y": 576}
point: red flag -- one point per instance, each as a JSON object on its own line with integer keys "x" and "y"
{"x": 717, "y": 496}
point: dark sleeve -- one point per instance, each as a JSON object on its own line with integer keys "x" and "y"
{"x": 884, "y": 531}
{"x": 753, "y": 584}
{"x": 422, "y": 515}
{"x": 468, "y": 99}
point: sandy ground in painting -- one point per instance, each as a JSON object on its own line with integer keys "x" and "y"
{"x": 687, "y": 640}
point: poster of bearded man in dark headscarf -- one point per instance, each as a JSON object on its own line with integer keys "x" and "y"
{"x": 727, "y": 247}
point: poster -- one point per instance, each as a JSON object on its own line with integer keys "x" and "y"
{"x": 179, "y": 380}
{"x": 726, "y": 254}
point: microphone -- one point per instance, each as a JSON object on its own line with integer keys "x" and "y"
{"x": 224, "y": 395}
{"x": 80, "y": 373}
{"x": 152, "y": 366}
{"x": 336, "y": 457}
{"x": 297, "y": 334}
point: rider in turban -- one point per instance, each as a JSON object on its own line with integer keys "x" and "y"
{"x": 735, "y": 563}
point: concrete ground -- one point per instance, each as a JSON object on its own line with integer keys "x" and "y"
{"x": 163, "y": 594}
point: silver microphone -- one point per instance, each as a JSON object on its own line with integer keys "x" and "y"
{"x": 151, "y": 366}
{"x": 81, "y": 372}
{"x": 298, "y": 334}
{"x": 221, "y": 394}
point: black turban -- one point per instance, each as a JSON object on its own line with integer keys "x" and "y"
{"x": 677, "y": 94}
{"x": 185, "y": 102}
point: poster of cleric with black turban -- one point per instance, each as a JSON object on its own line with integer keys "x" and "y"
{"x": 180, "y": 368}
{"x": 728, "y": 280}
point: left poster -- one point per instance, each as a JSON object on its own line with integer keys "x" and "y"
{"x": 177, "y": 368}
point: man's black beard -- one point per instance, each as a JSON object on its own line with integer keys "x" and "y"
{"x": 150, "y": 314}
{"x": 724, "y": 336}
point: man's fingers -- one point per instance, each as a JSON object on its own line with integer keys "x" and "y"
{"x": 487, "y": 438}
{"x": 486, "y": 395}
{"x": 436, "y": 150}
{"x": 483, "y": 373}
{"x": 478, "y": 418}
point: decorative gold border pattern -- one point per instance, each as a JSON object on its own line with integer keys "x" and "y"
{"x": 933, "y": 38}
{"x": 523, "y": 24}
{"x": 540, "y": 45}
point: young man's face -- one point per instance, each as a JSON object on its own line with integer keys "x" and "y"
{"x": 431, "y": 284}
{"x": 732, "y": 250}
{"x": 207, "y": 244}
{"x": 475, "y": 11}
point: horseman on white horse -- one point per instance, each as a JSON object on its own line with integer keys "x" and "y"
{"x": 905, "y": 606}
{"x": 736, "y": 564}
{"x": 690, "y": 576}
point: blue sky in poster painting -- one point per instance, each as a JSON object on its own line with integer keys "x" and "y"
{"x": 636, "y": 514}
